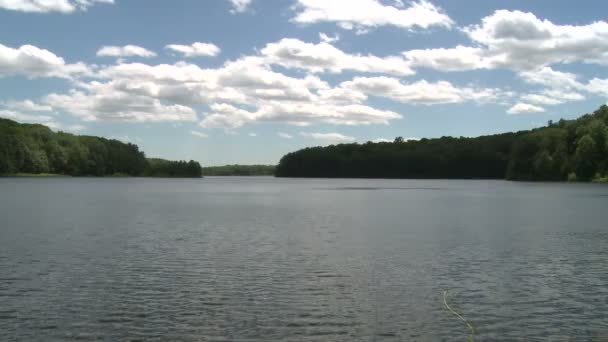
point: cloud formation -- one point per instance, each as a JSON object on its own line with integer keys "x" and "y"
{"x": 324, "y": 57}
{"x": 421, "y": 92}
{"x": 525, "y": 108}
{"x": 199, "y": 134}
{"x": 520, "y": 41}
{"x": 33, "y": 62}
{"x": 125, "y": 51}
{"x": 196, "y": 49}
{"x": 239, "y": 6}
{"x": 365, "y": 14}
{"x": 47, "y": 6}
{"x": 331, "y": 137}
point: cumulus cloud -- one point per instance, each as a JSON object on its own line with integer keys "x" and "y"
{"x": 520, "y": 41}
{"x": 46, "y": 120}
{"x": 125, "y": 51}
{"x": 103, "y": 102}
{"x": 365, "y": 14}
{"x": 296, "y": 113}
{"x": 246, "y": 90}
{"x": 24, "y": 117}
{"x": 524, "y": 41}
{"x": 321, "y": 57}
{"x": 325, "y": 38}
{"x": 224, "y": 115}
{"x": 460, "y": 58}
{"x": 333, "y": 137}
{"x": 239, "y": 6}
{"x": 196, "y": 49}
{"x": 27, "y": 106}
{"x": 552, "y": 97}
{"x": 525, "y": 108}
{"x": 546, "y": 76}
{"x": 46, "y": 6}
{"x": 285, "y": 135}
{"x": 421, "y": 92}
{"x": 560, "y": 87}
{"x": 199, "y": 134}
{"x": 31, "y": 61}
{"x": 598, "y": 86}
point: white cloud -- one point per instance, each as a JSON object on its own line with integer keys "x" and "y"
{"x": 384, "y": 140}
{"x": 252, "y": 134}
{"x": 33, "y": 62}
{"x": 525, "y": 108}
{"x": 27, "y": 106}
{"x": 460, "y": 58}
{"x": 125, "y": 51}
{"x": 46, "y": 120}
{"x": 46, "y": 6}
{"x": 239, "y": 6}
{"x": 365, "y": 14}
{"x": 334, "y": 137}
{"x": 298, "y": 114}
{"x": 520, "y": 40}
{"x": 546, "y": 76}
{"x": 552, "y": 97}
{"x": 199, "y": 134}
{"x": 196, "y": 49}
{"x": 420, "y": 92}
{"x": 560, "y": 87}
{"x": 321, "y": 57}
{"x": 224, "y": 115}
{"x": 598, "y": 86}
{"x": 57, "y": 126}
{"x": 104, "y": 103}
{"x": 240, "y": 92}
{"x": 285, "y": 135}
{"x": 23, "y": 117}
{"x": 328, "y": 39}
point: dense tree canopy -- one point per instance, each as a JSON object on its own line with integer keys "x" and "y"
{"x": 574, "y": 150}
{"x": 165, "y": 168}
{"x": 239, "y": 170}
{"x": 27, "y": 148}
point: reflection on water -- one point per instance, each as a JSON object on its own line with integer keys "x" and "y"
{"x": 262, "y": 259}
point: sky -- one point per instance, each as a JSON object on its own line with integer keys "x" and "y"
{"x": 247, "y": 81}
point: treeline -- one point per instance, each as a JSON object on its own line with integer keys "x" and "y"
{"x": 565, "y": 150}
{"x": 239, "y": 170}
{"x": 35, "y": 149}
{"x": 166, "y": 168}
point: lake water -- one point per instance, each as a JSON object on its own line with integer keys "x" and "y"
{"x": 264, "y": 259}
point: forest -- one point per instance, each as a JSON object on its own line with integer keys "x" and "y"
{"x": 36, "y": 149}
{"x": 239, "y": 170}
{"x": 566, "y": 150}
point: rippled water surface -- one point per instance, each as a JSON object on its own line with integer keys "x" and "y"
{"x": 263, "y": 259}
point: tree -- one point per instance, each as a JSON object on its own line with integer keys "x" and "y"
{"x": 585, "y": 158}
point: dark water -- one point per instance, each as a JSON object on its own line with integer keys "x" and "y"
{"x": 262, "y": 259}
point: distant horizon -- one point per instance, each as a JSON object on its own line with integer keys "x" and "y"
{"x": 247, "y": 81}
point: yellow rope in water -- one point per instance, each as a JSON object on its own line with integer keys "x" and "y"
{"x": 445, "y": 301}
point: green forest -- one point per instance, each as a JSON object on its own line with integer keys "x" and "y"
{"x": 567, "y": 150}
{"x": 36, "y": 149}
{"x": 239, "y": 170}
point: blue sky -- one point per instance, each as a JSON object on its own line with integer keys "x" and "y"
{"x": 238, "y": 81}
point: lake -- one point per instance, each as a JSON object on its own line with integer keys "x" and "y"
{"x": 264, "y": 259}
